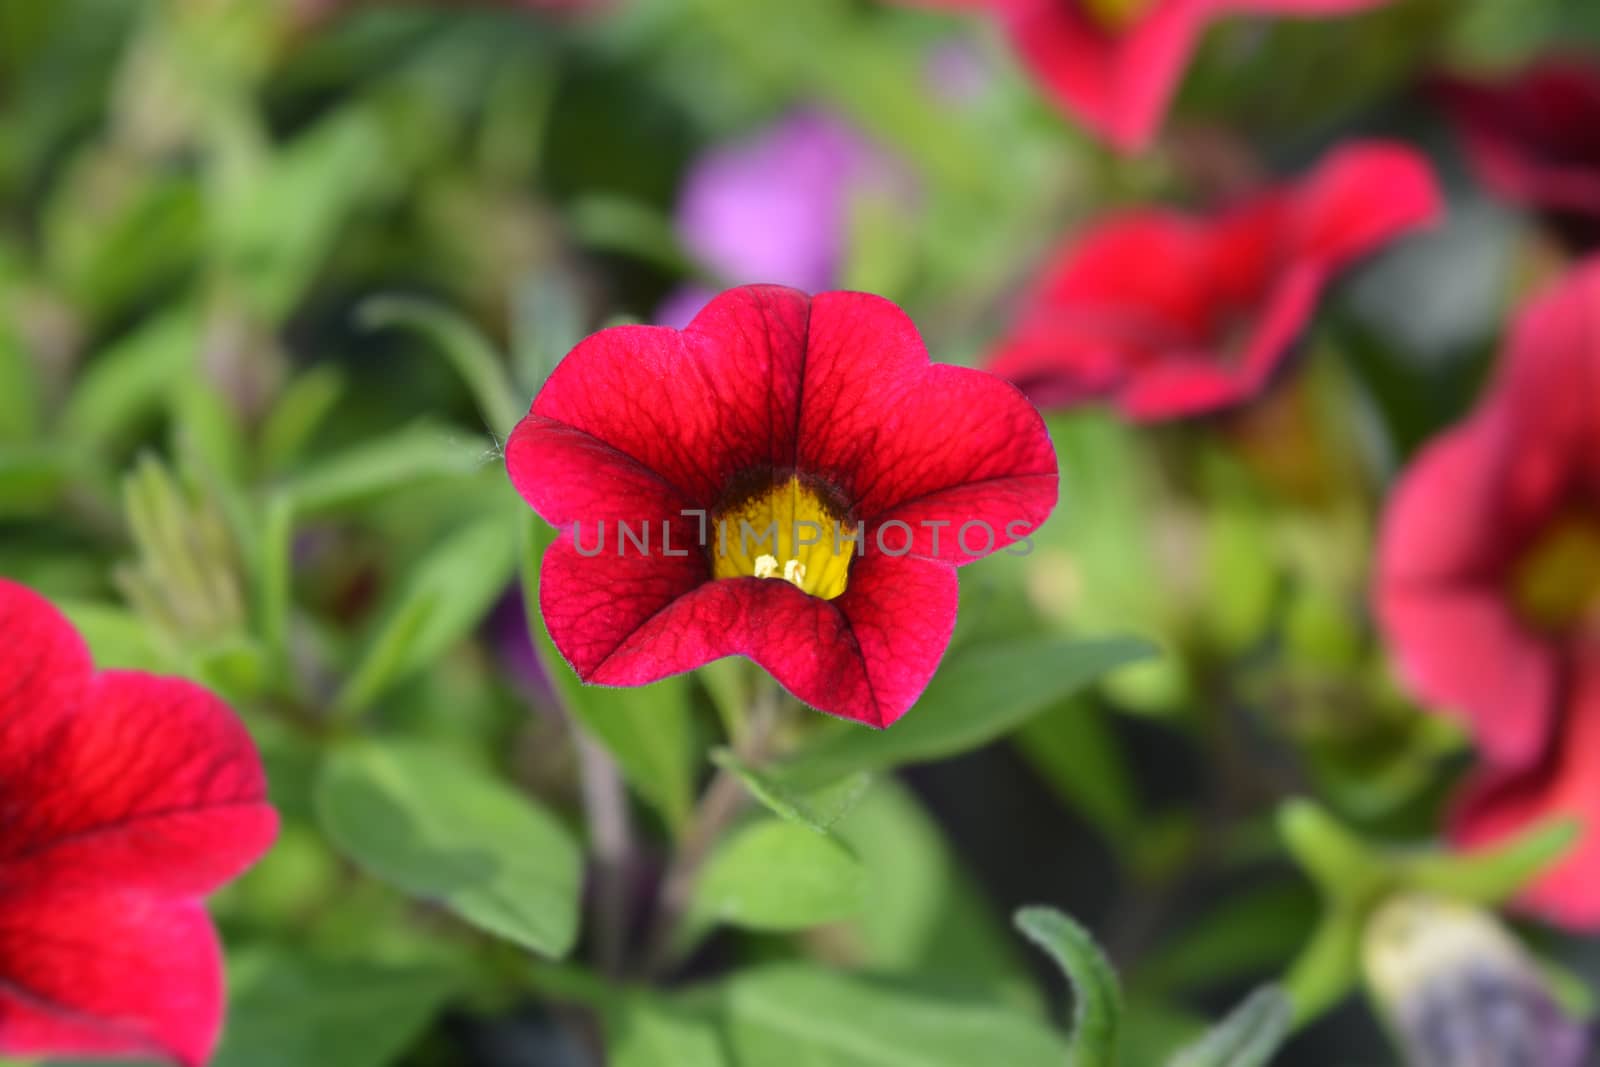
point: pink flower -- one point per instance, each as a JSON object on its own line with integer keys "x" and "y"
{"x": 774, "y": 411}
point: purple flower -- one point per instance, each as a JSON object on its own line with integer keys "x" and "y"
{"x": 513, "y": 647}
{"x": 776, "y": 207}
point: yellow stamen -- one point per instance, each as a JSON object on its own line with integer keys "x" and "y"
{"x": 1115, "y": 15}
{"x": 1556, "y": 584}
{"x": 788, "y": 533}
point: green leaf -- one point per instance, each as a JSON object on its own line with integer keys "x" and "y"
{"x": 468, "y": 351}
{"x": 1097, "y": 1013}
{"x": 1491, "y": 876}
{"x": 280, "y": 223}
{"x": 1339, "y": 862}
{"x": 1246, "y": 933}
{"x": 403, "y": 460}
{"x": 817, "y": 810}
{"x": 650, "y": 1030}
{"x": 1329, "y": 965}
{"x": 106, "y": 252}
{"x": 614, "y": 224}
{"x": 924, "y": 914}
{"x": 444, "y": 597}
{"x": 117, "y": 639}
{"x": 20, "y": 407}
{"x": 983, "y": 693}
{"x": 774, "y": 875}
{"x": 803, "y": 1016}
{"x": 436, "y": 828}
{"x": 286, "y": 1009}
{"x": 273, "y": 571}
{"x": 127, "y": 383}
{"x": 33, "y": 478}
{"x": 549, "y": 322}
{"x": 1248, "y": 1037}
{"x": 302, "y": 407}
{"x": 1073, "y": 748}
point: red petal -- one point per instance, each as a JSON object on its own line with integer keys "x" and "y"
{"x": 915, "y": 443}
{"x": 595, "y": 603}
{"x": 1563, "y": 785}
{"x": 116, "y": 780}
{"x": 1527, "y": 137}
{"x": 1119, "y": 84}
{"x": 866, "y": 655}
{"x": 153, "y": 784}
{"x": 1362, "y": 196}
{"x": 44, "y": 674}
{"x": 1180, "y": 387}
{"x": 108, "y": 974}
{"x": 1464, "y": 651}
{"x": 1108, "y": 269}
{"x": 1448, "y": 536}
{"x": 570, "y": 476}
{"x": 1101, "y": 314}
{"x": 694, "y": 407}
{"x": 1547, "y": 386}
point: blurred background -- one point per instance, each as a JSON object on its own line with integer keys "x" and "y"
{"x": 261, "y": 264}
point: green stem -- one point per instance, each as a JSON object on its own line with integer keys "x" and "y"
{"x": 721, "y": 803}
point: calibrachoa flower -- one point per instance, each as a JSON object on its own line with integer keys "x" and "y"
{"x": 1168, "y": 315}
{"x": 1535, "y": 139}
{"x": 776, "y": 208}
{"x": 817, "y": 418}
{"x": 124, "y": 798}
{"x": 1488, "y": 587}
{"x": 1115, "y": 64}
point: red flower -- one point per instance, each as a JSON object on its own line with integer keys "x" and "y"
{"x": 1167, "y": 315}
{"x": 774, "y": 408}
{"x": 1489, "y": 587}
{"x": 1535, "y": 139}
{"x": 123, "y": 799}
{"x": 1115, "y": 64}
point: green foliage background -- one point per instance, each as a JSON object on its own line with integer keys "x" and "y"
{"x": 272, "y": 292}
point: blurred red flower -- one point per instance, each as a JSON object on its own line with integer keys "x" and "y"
{"x": 1488, "y": 587}
{"x": 1116, "y": 64}
{"x": 1167, "y": 315}
{"x": 1534, "y": 139}
{"x": 774, "y": 407}
{"x": 123, "y": 799}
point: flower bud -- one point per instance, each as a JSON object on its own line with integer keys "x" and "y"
{"x": 186, "y": 577}
{"x": 1459, "y": 991}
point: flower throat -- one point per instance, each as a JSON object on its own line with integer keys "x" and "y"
{"x": 790, "y": 533}
{"x": 1556, "y": 583}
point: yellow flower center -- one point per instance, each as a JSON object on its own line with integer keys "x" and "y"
{"x": 1115, "y": 15}
{"x": 1556, "y": 584}
{"x": 787, "y": 533}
